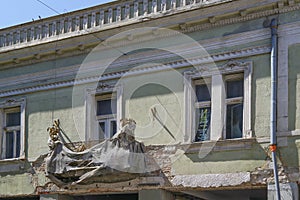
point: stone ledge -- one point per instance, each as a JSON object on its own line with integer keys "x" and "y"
{"x": 221, "y": 145}
{"x": 12, "y": 165}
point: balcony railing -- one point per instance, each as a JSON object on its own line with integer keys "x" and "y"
{"x": 91, "y": 18}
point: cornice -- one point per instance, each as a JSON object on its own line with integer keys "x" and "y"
{"x": 173, "y": 65}
{"x": 289, "y": 29}
{"x": 78, "y": 48}
{"x": 239, "y": 19}
{"x": 209, "y": 45}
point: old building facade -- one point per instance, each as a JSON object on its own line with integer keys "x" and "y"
{"x": 194, "y": 75}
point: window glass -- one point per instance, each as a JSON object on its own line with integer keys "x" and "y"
{"x": 57, "y": 28}
{"x": 13, "y": 119}
{"x": 73, "y": 24}
{"x": 202, "y": 93}
{"x": 113, "y": 127}
{"x": 114, "y": 15}
{"x": 9, "y": 145}
{"x": 122, "y": 13}
{"x": 150, "y": 6}
{"x": 97, "y": 19}
{"x": 234, "y": 88}
{"x": 234, "y": 121}
{"x": 49, "y": 30}
{"x": 106, "y": 107}
{"x": 18, "y": 143}
{"x": 65, "y": 26}
{"x": 158, "y": 5}
{"x": 89, "y": 22}
{"x": 203, "y": 121}
{"x": 102, "y": 128}
{"x": 168, "y": 4}
{"x": 203, "y": 111}
{"x": 140, "y": 9}
{"x": 12, "y": 144}
{"x": 131, "y": 13}
{"x": 80, "y": 23}
{"x": 105, "y": 17}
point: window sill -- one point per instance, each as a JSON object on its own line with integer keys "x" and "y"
{"x": 12, "y": 164}
{"x": 221, "y": 145}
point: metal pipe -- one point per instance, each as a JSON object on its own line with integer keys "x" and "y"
{"x": 273, "y": 113}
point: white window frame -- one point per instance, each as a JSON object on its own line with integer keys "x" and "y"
{"x": 92, "y": 121}
{"x": 9, "y": 106}
{"x": 218, "y": 99}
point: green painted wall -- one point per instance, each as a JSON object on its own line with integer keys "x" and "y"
{"x": 162, "y": 91}
{"x": 16, "y": 184}
{"x": 290, "y": 154}
{"x": 294, "y": 86}
{"x": 43, "y": 107}
{"x": 260, "y": 100}
{"x": 226, "y": 161}
{"x": 52, "y": 68}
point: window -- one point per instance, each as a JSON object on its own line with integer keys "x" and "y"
{"x": 203, "y": 109}
{"x": 103, "y": 111}
{"x": 234, "y": 105}
{"x": 122, "y": 13}
{"x": 12, "y": 129}
{"x": 106, "y": 18}
{"x": 114, "y": 15}
{"x": 106, "y": 115}
{"x": 11, "y": 133}
{"x": 219, "y": 105}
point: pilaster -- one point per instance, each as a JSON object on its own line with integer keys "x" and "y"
{"x": 157, "y": 194}
{"x": 288, "y": 191}
{"x": 55, "y": 197}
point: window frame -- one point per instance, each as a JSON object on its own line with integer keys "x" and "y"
{"x": 107, "y": 119}
{"x": 9, "y": 106}
{"x": 218, "y": 99}
{"x": 92, "y": 95}
{"x": 233, "y": 100}
{"x": 201, "y": 104}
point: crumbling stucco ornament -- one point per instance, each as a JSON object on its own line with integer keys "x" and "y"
{"x": 117, "y": 159}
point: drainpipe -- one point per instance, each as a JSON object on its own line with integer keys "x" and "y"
{"x": 273, "y": 121}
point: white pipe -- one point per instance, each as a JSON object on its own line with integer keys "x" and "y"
{"x": 273, "y": 113}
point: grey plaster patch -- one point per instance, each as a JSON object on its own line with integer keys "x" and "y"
{"x": 212, "y": 180}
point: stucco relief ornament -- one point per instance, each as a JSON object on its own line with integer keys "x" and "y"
{"x": 120, "y": 158}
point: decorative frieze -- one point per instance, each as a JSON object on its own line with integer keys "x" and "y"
{"x": 138, "y": 71}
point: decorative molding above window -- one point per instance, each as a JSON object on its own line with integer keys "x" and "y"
{"x": 177, "y": 64}
{"x": 218, "y": 102}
